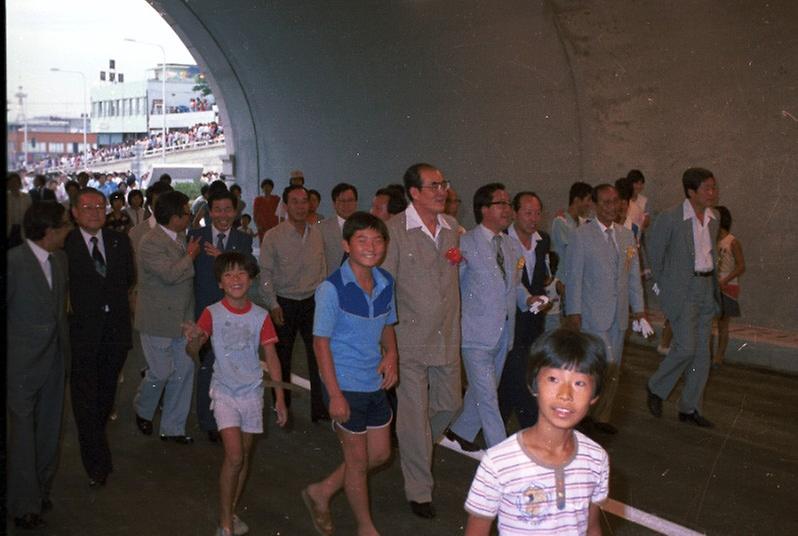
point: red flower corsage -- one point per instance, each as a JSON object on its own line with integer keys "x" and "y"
{"x": 454, "y": 256}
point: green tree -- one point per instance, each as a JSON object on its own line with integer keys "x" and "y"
{"x": 201, "y": 85}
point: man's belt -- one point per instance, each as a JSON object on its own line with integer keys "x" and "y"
{"x": 704, "y": 274}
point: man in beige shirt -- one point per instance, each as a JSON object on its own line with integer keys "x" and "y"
{"x": 344, "y": 198}
{"x": 423, "y": 255}
{"x": 292, "y": 266}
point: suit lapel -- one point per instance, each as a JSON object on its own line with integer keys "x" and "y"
{"x": 35, "y": 268}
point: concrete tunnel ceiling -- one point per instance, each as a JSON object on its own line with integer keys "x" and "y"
{"x": 535, "y": 94}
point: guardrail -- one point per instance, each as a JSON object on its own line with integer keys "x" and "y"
{"x": 178, "y": 147}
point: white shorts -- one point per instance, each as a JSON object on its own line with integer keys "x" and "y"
{"x": 246, "y": 414}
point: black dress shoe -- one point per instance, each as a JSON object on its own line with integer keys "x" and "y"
{"x": 654, "y": 403}
{"x": 605, "y": 428}
{"x": 29, "y": 522}
{"x": 47, "y": 505}
{"x": 182, "y": 439}
{"x": 465, "y": 444}
{"x": 213, "y": 436}
{"x": 423, "y": 509}
{"x": 144, "y": 425}
{"x": 696, "y": 419}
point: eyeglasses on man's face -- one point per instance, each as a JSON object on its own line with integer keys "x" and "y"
{"x": 436, "y": 186}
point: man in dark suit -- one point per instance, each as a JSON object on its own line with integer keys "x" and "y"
{"x": 344, "y": 198}
{"x": 38, "y": 348}
{"x": 40, "y": 191}
{"x": 533, "y": 246}
{"x": 682, "y": 253}
{"x": 215, "y": 238}
{"x": 102, "y": 277}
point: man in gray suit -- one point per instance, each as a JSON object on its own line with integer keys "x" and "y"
{"x": 344, "y": 198}
{"x": 38, "y": 350}
{"x": 423, "y": 256}
{"x": 602, "y": 280}
{"x": 681, "y": 247}
{"x": 165, "y": 300}
{"x": 490, "y": 290}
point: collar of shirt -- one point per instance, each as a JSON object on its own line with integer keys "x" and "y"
{"x": 42, "y": 255}
{"x": 689, "y": 212}
{"x": 414, "y": 222}
{"x": 605, "y": 227}
{"x": 534, "y": 239}
{"x": 487, "y": 233}
{"x": 216, "y": 232}
{"x": 348, "y": 276}
{"x": 341, "y": 221}
{"x": 87, "y": 238}
{"x": 171, "y": 234}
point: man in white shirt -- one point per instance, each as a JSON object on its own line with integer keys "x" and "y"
{"x": 682, "y": 254}
{"x": 344, "y": 198}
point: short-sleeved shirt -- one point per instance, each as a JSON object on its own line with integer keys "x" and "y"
{"x": 235, "y": 336}
{"x": 511, "y": 483}
{"x": 353, "y": 321}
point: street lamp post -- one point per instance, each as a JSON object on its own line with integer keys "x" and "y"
{"x": 163, "y": 91}
{"x": 85, "y": 111}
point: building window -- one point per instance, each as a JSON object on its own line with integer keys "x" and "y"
{"x": 55, "y": 147}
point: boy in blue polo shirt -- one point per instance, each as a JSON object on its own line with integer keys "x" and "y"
{"x": 355, "y": 346}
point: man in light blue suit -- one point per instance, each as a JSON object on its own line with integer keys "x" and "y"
{"x": 602, "y": 279}
{"x": 490, "y": 291}
{"x": 682, "y": 252}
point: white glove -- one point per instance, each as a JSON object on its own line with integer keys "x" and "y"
{"x": 655, "y": 288}
{"x": 538, "y": 304}
{"x": 643, "y": 328}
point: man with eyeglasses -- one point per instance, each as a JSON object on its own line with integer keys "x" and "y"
{"x": 423, "y": 256}
{"x": 490, "y": 291}
{"x": 344, "y": 198}
{"x": 165, "y": 300}
{"x": 101, "y": 277}
{"x": 38, "y": 347}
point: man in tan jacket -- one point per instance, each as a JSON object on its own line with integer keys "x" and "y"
{"x": 423, "y": 255}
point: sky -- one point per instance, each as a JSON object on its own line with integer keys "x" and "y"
{"x": 79, "y": 35}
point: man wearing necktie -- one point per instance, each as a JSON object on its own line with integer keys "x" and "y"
{"x": 101, "y": 279}
{"x": 215, "y": 238}
{"x": 165, "y": 300}
{"x": 602, "y": 279}
{"x": 37, "y": 350}
{"x": 490, "y": 292}
{"x": 344, "y": 198}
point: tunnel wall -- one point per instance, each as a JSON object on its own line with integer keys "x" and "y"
{"x": 535, "y": 94}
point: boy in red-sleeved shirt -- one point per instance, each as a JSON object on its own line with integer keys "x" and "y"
{"x": 236, "y": 328}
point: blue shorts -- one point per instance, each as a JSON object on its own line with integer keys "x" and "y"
{"x": 366, "y": 410}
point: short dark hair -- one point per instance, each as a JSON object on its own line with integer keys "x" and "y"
{"x": 42, "y": 216}
{"x": 116, "y": 195}
{"x": 579, "y": 190}
{"x": 625, "y": 188}
{"x": 204, "y": 188}
{"x": 568, "y": 349}
{"x": 83, "y": 176}
{"x": 725, "y": 217}
{"x": 635, "y": 175}
{"x": 520, "y": 195}
{"x": 397, "y": 202}
{"x": 39, "y": 180}
{"x": 71, "y": 184}
{"x": 235, "y": 187}
{"x": 89, "y": 191}
{"x": 170, "y": 204}
{"x": 13, "y": 175}
{"x": 694, "y": 177}
{"x": 165, "y": 177}
{"x": 135, "y": 193}
{"x": 483, "y": 198}
{"x": 412, "y": 177}
{"x": 290, "y": 188}
{"x": 599, "y": 188}
{"x": 363, "y": 220}
{"x": 314, "y": 193}
{"x": 264, "y": 182}
{"x": 216, "y": 186}
{"x": 157, "y": 189}
{"x": 340, "y": 188}
{"x": 229, "y": 259}
{"x": 222, "y": 194}
{"x": 247, "y": 216}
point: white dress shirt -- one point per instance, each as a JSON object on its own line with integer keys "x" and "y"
{"x": 414, "y": 221}
{"x": 43, "y": 256}
{"x": 702, "y": 241}
{"x": 529, "y": 254}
